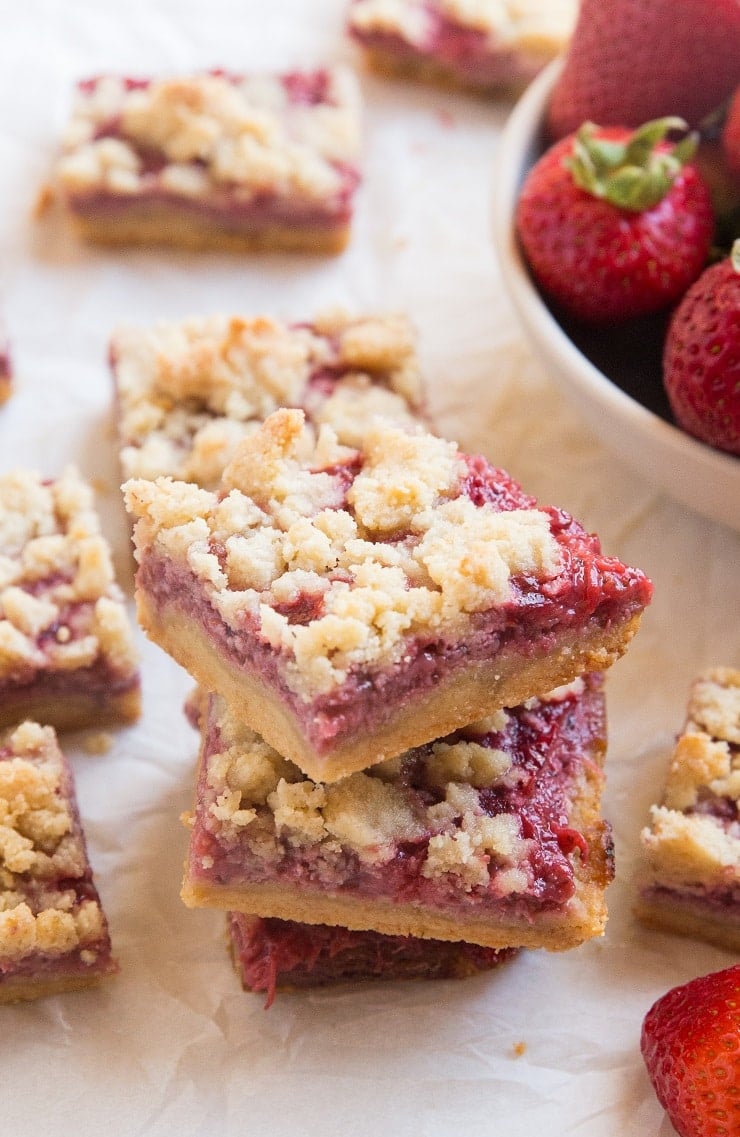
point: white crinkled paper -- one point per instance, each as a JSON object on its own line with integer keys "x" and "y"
{"x": 173, "y": 1045}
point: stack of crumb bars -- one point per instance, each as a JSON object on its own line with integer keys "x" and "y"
{"x": 398, "y": 656}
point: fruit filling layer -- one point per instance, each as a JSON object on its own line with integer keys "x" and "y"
{"x": 6, "y": 368}
{"x": 51, "y": 921}
{"x": 355, "y": 579}
{"x": 271, "y": 148}
{"x": 188, "y": 392}
{"x": 692, "y": 847}
{"x": 485, "y": 43}
{"x": 63, "y": 624}
{"x": 274, "y": 954}
{"x": 481, "y": 821}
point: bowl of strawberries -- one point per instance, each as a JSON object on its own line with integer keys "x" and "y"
{"x": 609, "y": 242}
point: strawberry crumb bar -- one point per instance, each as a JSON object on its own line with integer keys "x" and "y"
{"x": 53, "y": 933}
{"x": 188, "y": 392}
{"x": 66, "y": 645}
{"x": 692, "y": 848}
{"x": 215, "y": 160}
{"x": 283, "y": 955}
{"x": 491, "y": 836}
{"x": 351, "y": 603}
{"x": 6, "y": 368}
{"x": 479, "y": 44}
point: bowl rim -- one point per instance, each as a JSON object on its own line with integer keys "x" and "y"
{"x": 707, "y": 480}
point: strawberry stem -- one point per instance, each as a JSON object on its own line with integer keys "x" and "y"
{"x": 635, "y": 174}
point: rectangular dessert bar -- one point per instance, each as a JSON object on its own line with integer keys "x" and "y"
{"x": 352, "y": 603}
{"x": 491, "y": 836}
{"x": 188, "y": 392}
{"x": 53, "y": 932}
{"x": 482, "y": 45}
{"x": 283, "y": 955}
{"x": 214, "y": 161}
{"x": 67, "y": 652}
{"x": 691, "y": 850}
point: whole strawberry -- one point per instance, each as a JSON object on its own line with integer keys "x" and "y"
{"x": 634, "y": 60}
{"x": 701, "y": 358}
{"x": 615, "y": 224}
{"x": 691, "y": 1047}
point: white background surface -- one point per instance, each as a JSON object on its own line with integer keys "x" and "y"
{"x": 173, "y": 1045}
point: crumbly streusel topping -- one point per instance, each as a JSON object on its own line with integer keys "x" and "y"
{"x": 371, "y": 812}
{"x": 249, "y": 135}
{"x": 40, "y": 845}
{"x": 386, "y": 551}
{"x": 60, "y": 608}
{"x": 542, "y": 26}
{"x": 188, "y": 392}
{"x": 691, "y": 841}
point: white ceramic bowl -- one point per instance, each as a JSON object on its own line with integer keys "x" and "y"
{"x": 696, "y": 475}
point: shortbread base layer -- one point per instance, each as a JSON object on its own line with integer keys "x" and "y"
{"x": 68, "y": 710}
{"x": 152, "y": 223}
{"x": 510, "y": 73}
{"x": 6, "y": 383}
{"x": 672, "y": 911}
{"x": 23, "y": 989}
{"x": 460, "y": 697}
{"x": 282, "y": 955}
{"x": 581, "y": 918}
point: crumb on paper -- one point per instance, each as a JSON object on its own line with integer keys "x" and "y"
{"x": 445, "y": 118}
{"x": 99, "y": 742}
{"x": 519, "y": 1049}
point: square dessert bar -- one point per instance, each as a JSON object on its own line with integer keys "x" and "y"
{"x": 283, "y": 955}
{"x": 691, "y": 851}
{"x": 351, "y": 603}
{"x": 188, "y": 392}
{"x": 53, "y": 933}
{"x": 491, "y": 836}
{"x": 66, "y": 644}
{"x": 6, "y": 368}
{"x": 214, "y": 161}
{"x": 479, "y": 44}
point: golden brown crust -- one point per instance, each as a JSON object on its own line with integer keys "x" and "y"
{"x": 153, "y": 224}
{"x": 463, "y": 698}
{"x": 24, "y": 990}
{"x": 71, "y": 711}
{"x": 666, "y": 915}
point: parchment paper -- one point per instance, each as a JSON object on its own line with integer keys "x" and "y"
{"x": 173, "y": 1045}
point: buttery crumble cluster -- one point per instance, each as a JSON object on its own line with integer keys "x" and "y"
{"x": 40, "y": 845}
{"x": 524, "y": 25}
{"x": 370, "y": 813}
{"x": 247, "y": 135}
{"x": 687, "y": 841}
{"x": 56, "y": 580}
{"x": 392, "y": 551}
{"x": 188, "y": 392}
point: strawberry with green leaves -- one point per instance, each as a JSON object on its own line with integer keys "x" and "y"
{"x": 616, "y": 224}
{"x": 634, "y": 60}
{"x": 691, "y": 1047}
{"x": 701, "y": 357}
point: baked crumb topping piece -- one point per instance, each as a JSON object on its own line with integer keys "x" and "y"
{"x": 188, "y": 392}
{"x": 482, "y": 818}
{"x": 218, "y": 139}
{"x": 278, "y": 955}
{"x": 61, "y": 612}
{"x": 692, "y": 846}
{"x": 487, "y": 43}
{"x": 53, "y": 933}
